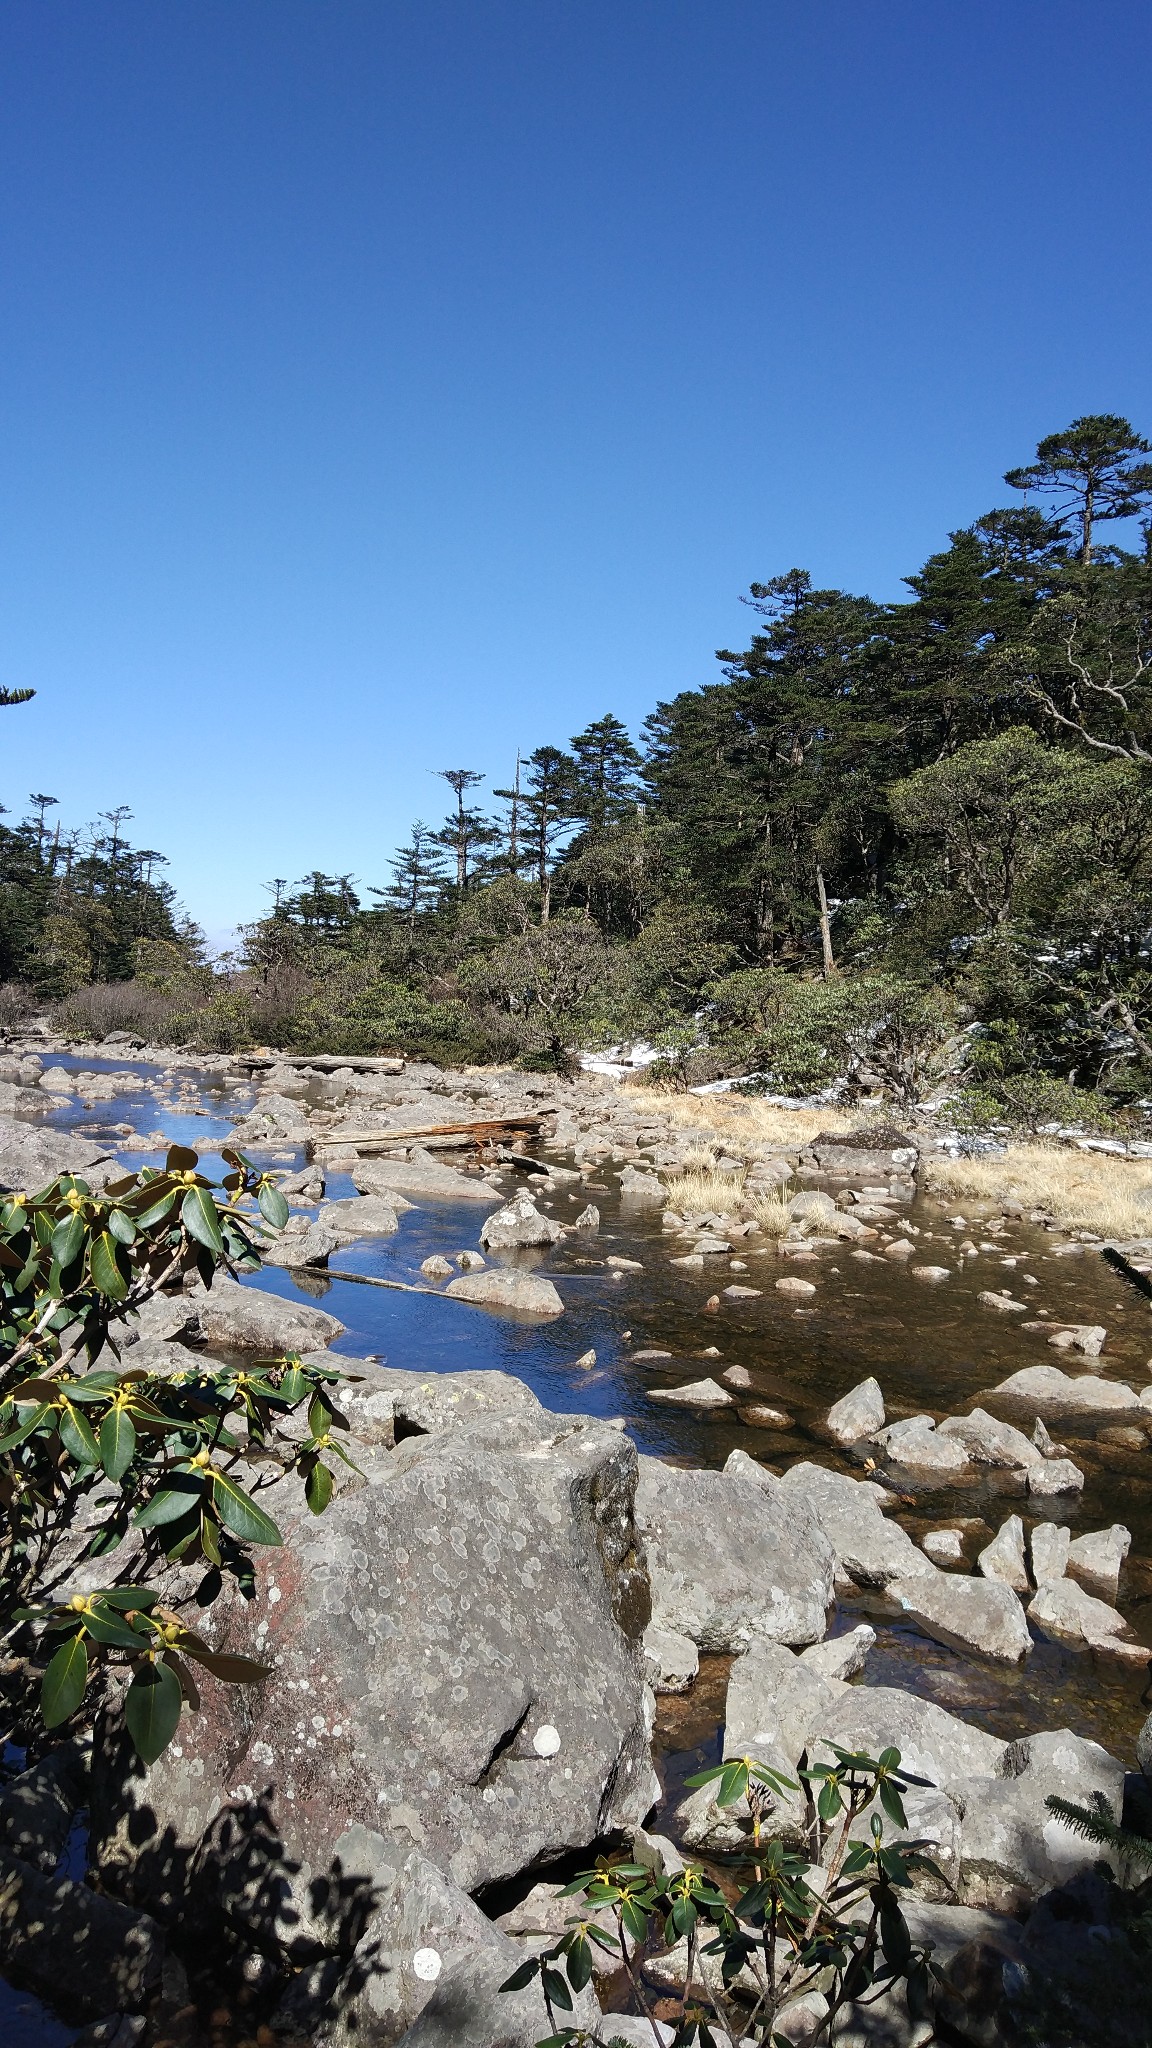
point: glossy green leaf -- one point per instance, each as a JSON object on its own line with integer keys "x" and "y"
{"x": 152, "y": 1710}
{"x": 122, "y": 1227}
{"x": 198, "y": 1215}
{"x": 117, "y": 1442}
{"x": 105, "y": 1269}
{"x": 318, "y": 1488}
{"x": 106, "y": 1626}
{"x": 68, "y": 1238}
{"x": 76, "y": 1436}
{"x": 62, "y": 1687}
{"x": 23, "y": 1430}
{"x": 272, "y": 1206}
{"x": 556, "y": 1987}
{"x": 178, "y": 1494}
{"x": 240, "y": 1514}
{"x": 230, "y": 1670}
{"x": 523, "y": 1975}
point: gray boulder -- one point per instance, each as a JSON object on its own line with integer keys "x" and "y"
{"x": 519, "y": 1226}
{"x": 857, "y": 1414}
{"x": 868, "y": 1550}
{"x": 671, "y": 1661}
{"x": 933, "y": 1744}
{"x": 1012, "y": 1847}
{"x": 979, "y": 1616}
{"x": 1055, "y": 1476}
{"x": 245, "y": 1318}
{"x": 1047, "y": 1389}
{"x": 467, "y": 2008}
{"x": 510, "y": 1291}
{"x": 1049, "y": 1548}
{"x": 989, "y": 1442}
{"x": 638, "y": 1186}
{"x": 424, "y": 1175}
{"x": 840, "y": 1656}
{"x": 36, "y": 1809}
{"x": 30, "y": 1157}
{"x": 360, "y": 1216}
{"x": 814, "y": 1206}
{"x": 1094, "y": 1560}
{"x": 84, "y": 1954}
{"x": 311, "y": 1247}
{"x": 455, "y": 1663}
{"x": 1062, "y": 1608}
{"x": 916, "y": 1442}
{"x": 731, "y": 1558}
{"x": 776, "y": 1702}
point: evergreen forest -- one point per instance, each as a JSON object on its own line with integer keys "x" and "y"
{"x": 899, "y": 847}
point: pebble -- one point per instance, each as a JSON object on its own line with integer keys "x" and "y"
{"x": 791, "y": 1285}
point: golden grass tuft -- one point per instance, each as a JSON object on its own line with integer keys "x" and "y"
{"x": 1082, "y": 1190}
{"x": 698, "y": 1191}
{"x": 771, "y": 1208}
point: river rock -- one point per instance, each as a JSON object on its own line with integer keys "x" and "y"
{"x": 36, "y": 1809}
{"x": 1087, "y": 1338}
{"x": 1062, "y": 1608}
{"x": 30, "y": 1157}
{"x": 1003, "y": 1304}
{"x": 247, "y": 1318}
{"x": 795, "y": 1286}
{"x": 1094, "y": 1560}
{"x": 1012, "y": 1847}
{"x": 857, "y": 1414}
{"x": 1004, "y": 1560}
{"x": 944, "y": 1546}
{"x": 867, "y": 1549}
{"x": 58, "y": 1081}
{"x": 814, "y": 1206}
{"x": 471, "y": 1262}
{"x": 430, "y": 1404}
{"x": 989, "y": 1442}
{"x": 455, "y": 1664}
{"x": 980, "y": 1616}
{"x": 1046, "y": 1387}
{"x": 1048, "y": 1544}
{"x": 775, "y": 1703}
{"x": 916, "y": 1442}
{"x": 1055, "y": 1476}
{"x": 671, "y": 1661}
{"x": 510, "y": 1291}
{"x": 437, "y": 1267}
{"x": 361, "y": 1216}
{"x": 308, "y": 1185}
{"x": 696, "y": 1394}
{"x": 639, "y": 1186}
{"x": 731, "y": 1558}
{"x": 588, "y": 1219}
{"x": 424, "y": 1175}
{"x": 933, "y": 1744}
{"x": 311, "y": 1247}
{"x": 840, "y": 1657}
{"x": 900, "y": 1249}
{"x": 518, "y": 1227}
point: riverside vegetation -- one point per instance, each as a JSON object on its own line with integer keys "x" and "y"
{"x": 895, "y": 847}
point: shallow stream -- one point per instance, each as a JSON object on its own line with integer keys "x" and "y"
{"x": 931, "y": 1348}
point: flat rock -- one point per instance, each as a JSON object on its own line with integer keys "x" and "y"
{"x": 311, "y": 1247}
{"x": 857, "y": 1414}
{"x": 979, "y": 1616}
{"x": 1055, "y": 1476}
{"x": 696, "y": 1394}
{"x": 944, "y": 1546}
{"x": 246, "y": 1318}
{"x": 421, "y": 1174}
{"x": 1062, "y": 1608}
{"x": 30, "y": 1157}
{"x": 761, "y": 1415}
{"x": 1048, "y": 1389}
{"x": 510, "y": 1292}
{"x": 792, "y": 1284}
{"x": 731, "y": 1558}
{"x": 1003, "y": 1304}
{"x": 361, "y": 1216}
{"x": 933, "y": 1744}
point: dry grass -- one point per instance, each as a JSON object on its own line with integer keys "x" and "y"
{"x": 698, "y": 1192}
{"x": 1082, "y": 1190}
{"x": 745, "y": 1119}
{"x": 771, "y": 1208}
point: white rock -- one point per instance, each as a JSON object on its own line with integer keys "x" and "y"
{"x": 917, "y": 1443}
{"x": 794, "y": 1286}
{"x": 697, "y": 1394}
{"x": 978, "y": 1615}
{"x": 857, "y": 1414}
{"x": 1055, "y": 1475}
{"x": 840, "y": 1657}
{"x": 1095, "y": 1560}
{"x": 1003, "y": 1559}
{"x": 944, "y": 1546}
{"x": 1049, "y": 1546}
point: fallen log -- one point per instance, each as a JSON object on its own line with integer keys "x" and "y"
{"x": 483, "y": 1132}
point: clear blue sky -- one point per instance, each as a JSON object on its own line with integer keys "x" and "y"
{"x": 385, "y": 386}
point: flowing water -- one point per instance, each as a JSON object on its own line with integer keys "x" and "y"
{"x": 931, "y": 1348}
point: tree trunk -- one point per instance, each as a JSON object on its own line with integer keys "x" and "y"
{"x": 830, "y": 967}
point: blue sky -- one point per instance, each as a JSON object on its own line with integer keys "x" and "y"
{"x": 384, "y": 387}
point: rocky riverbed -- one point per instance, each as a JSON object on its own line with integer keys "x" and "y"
{"x": 642, "y": 1479}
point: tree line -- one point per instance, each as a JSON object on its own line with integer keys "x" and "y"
{"x": 884, "y": 835}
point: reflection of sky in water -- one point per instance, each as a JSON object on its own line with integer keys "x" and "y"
{"x": 930, "y": 1348}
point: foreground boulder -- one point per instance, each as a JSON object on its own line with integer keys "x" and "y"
{"x": 30, "y": 1157}
{"x": 84, "y": 1954}
{"x": 455, "y": 1652}
{"x": 1013, "y": 1847}
{"x": 982, "y": 1617}
{"x": 731, "y": 1557}
{"x": 251, "y": 1319}
{"x": 868, "y": 1550}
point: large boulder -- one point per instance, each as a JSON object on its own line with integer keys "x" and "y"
{"x": 1012, "y": 1847}
{"x": 857, "y": 1414}
{"x": 989, "y": 1442}
{"x": 1052, "y": 1392}
{"x": 249, "y": 1318}
{"x": 455, "y": 1664}
{"x": 980, "y": 1616}
{"x": 518, "y": 1226}
{"x": 869, "y": 1551}
{"x": 30, "y": 1157}
{"x": 731, "y": 1557}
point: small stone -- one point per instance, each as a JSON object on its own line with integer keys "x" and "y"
{"x": 737, "y": 1376}
{"x": 944, "y": 1546}
{"x": 436, "y": 1268}
{"x": 1003, "y": 1559}
{"x": 1094, "y": 1560}
{"x": 1055, "y": 1475}
{"x": 470, "y": 1262}
{"x": 931, "y": 1275}
{"x": 620, "y": 1265}
{"x": 588, "y": 1219}
{"x": 639, "y": 1355}
{"x": 697, "y": 1394}
{"x": 742, "y": 1293}
{"x": 793, "y": 1285}
{"x": 840, "y": 1657}
{"x": 900, "y": 1248}
{"x": 1002, "y": 1303}
{"x": 587, "y": 1359}
{"x": 759, "y": 1415}
{"x": 712, "y": 1305}
{"x": 671, "y": 1661}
